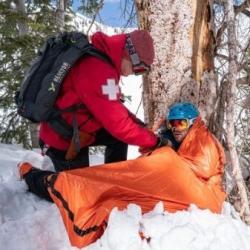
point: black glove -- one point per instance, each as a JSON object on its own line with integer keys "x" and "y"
{"x": 161, "y": 141}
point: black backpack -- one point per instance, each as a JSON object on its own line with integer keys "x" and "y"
{"x": 42, "y": 82}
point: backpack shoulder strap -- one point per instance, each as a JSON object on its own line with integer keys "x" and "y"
{"x": 58, "y": 123}
{"x": 101, "y": 55}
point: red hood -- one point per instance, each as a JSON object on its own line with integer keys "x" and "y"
{"x": 113, "y": 46}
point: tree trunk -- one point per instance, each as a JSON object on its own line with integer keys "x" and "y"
{"x": 33, "y": 129}
{"x": 23, "y": 29}
{"x": 183, "y": 66}
{"x": 20, "y": 7}
{"x": 60, "y": 14}
{"x": 230, "y": 112}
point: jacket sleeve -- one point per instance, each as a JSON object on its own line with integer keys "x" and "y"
{"x": 101, "y": 95}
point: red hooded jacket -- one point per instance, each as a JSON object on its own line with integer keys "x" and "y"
{"x": 94, "y": 83}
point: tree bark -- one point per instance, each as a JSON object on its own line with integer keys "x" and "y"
{"x": 183, "y": 65}
{"x": 60, "y": 14}
{"x": 33, "y": 130}
{"x": 20, "y": 7}
{"x": 230, "y": 112}
{"x": 142, "y": 8}
{"x": 23, "y": 29}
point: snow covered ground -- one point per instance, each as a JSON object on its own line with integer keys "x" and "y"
{"x": 28, "y": 223}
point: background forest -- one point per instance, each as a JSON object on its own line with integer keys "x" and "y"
{"x": 202, "y": 55}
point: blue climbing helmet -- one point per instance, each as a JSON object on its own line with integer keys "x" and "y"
{"x": 182, "y": 110}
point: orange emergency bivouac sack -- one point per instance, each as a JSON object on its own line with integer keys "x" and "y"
{"x": 85, "y": 197}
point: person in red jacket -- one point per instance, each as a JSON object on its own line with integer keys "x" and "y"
{"x": 104, "y": 120}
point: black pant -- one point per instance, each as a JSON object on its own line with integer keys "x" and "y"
{"x": 115, "y": 151}
{"x": 36, "y": 181}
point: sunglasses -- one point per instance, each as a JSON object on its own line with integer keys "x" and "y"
{"x": 138, "y": 66}
{"x": 180, "y": 124}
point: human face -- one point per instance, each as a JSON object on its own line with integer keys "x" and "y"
{"x": 180, "y": 128}
{"x": 179, "y": 135}
{"x": 126, "y": 67}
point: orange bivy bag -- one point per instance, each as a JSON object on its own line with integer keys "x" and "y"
{"x": 85, "y": 197}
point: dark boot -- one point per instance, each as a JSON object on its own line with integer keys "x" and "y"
{"x": 36, "y": 180}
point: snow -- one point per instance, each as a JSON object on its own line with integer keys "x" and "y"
{"x": 28, "y": 223}
{"x": 132, "y": 86}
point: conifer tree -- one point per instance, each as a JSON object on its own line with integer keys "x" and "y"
{"x": 17, "y": 52}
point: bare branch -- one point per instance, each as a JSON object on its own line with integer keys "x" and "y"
{"x": 230, "y": 111}
{"x": 100, "y": 5}
{"x": 246, "y": 12}
{"x": 131, "y": 16}
{"x": 238, "y": 9}
{"x": 222, "y": 56}
{"x": 243, "y": 81}
{"x": 242, "y": 7}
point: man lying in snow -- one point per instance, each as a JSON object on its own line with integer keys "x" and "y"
{"x": 86, "y": 196}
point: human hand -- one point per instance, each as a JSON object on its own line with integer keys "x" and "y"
{"x": 161, "y": 141}
{"x": 144, "y": 150}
